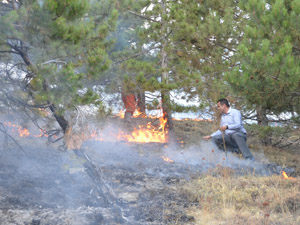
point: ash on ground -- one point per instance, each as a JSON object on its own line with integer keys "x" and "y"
{"x": 104, "y": 183}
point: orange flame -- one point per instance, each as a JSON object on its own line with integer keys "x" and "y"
{"x": 121, "y": 114}
{"x": 148, "y": 134}
{"x": 138, "y": 114}
{"x": 142, "y": 134}
{"x": 165, "y": 158}
{"x": 286, "y": 177}
{"x": 24, "y": 132}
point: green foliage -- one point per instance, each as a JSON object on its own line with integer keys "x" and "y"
{"x": 269, "y": 72}
{"x": 275, "y": 133}
{"x": 69, "y": 31}
{"x": 7, "y": 22}
{"x": 88, "y": 97}
{"x": 69, "y": 9}
{"x": 195, "y": 62}
{"x": 60, "y": 45}
{"x": 103, "y": 112}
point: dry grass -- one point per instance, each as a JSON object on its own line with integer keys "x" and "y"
{"x": 226, "y": 199}
{"x": 191, "y": 132}
{"x": 283, "y": 157}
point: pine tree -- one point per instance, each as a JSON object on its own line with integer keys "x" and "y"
{"x": 190, "y": 45}
{"x": 208, "y": 33}
{"x": 53, "y": 46}
{"x": 268, "y": 77}
{"x": 124, "y": 53}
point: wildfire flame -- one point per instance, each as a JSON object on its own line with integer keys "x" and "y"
{"x": 121, "y": 114}
{"x": 23, "y": 132}
{"x": 148, "y": 134}
{"x": 286, "y": 177}
{"x": 142, "y": 134}
{"x": 136, "y": 114}
{"x": 165, "y": 158}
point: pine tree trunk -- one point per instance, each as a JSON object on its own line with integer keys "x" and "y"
{"x": 263, "y": 121}
{"x": 63, "y": 123}
{"x": 165, "y": 94}
{"x": 141, "y": 103}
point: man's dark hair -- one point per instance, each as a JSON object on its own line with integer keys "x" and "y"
{"x": 223, "y": 101}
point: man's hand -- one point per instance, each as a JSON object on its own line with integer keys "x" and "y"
{"x": 223, "y": 128}
{"x": 207, "y": 137}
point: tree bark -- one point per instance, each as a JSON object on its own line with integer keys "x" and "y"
{"x": 263, "y": 121}
{"x": 21, "y": 50}
{"x": 63, "y": 123}
{"x": 165, "y": 94}
{"x": 141, "y": 103}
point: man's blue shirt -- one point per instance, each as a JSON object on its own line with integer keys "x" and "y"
{"x": 233, "y": 119}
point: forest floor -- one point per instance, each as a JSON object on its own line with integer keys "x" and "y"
{"x": 116, "y": 182}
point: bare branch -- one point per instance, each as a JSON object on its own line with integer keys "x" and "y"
{"x": 56, "y": 61}
{"x": 7, "y": 136}
{"x": 13, "y": 52}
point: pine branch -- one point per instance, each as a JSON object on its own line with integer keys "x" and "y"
{"x": 220, "y": 45}
{"x": 142, "y": 16}
{"x": 297, "y": 48}
{"x": 295, "y": 93}
{"x": 130, "y": 57}
{"x": 22, "y": 103}
{"x": 142, "y": 52}
{"x": 21, "y": 50}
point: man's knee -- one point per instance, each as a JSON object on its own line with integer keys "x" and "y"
{"x": 239, "y": 136}
{"x": 217, "y": 139}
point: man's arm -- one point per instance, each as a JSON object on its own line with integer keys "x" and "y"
{"x": 207, "y": 137}
{"x": 218, "y": 132}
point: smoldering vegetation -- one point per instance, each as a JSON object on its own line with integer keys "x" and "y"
{"x": 103, "y": 182}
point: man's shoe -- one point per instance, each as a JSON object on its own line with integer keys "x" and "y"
{"x": 236, "y": 150}
{"x": 250, "y": 158}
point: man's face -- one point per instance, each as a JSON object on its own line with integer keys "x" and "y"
{"x": 221, "y": 108}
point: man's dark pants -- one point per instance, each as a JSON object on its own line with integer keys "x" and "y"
{"x": 234, "y": 141}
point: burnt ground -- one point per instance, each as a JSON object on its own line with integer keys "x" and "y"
{"x": 46, "y": 186}
{"x": 105, "y": 182}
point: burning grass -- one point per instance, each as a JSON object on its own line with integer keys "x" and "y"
{"x": 226, "y": 199}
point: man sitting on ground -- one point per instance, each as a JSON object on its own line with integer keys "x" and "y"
{"x": 231, "y": 131}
